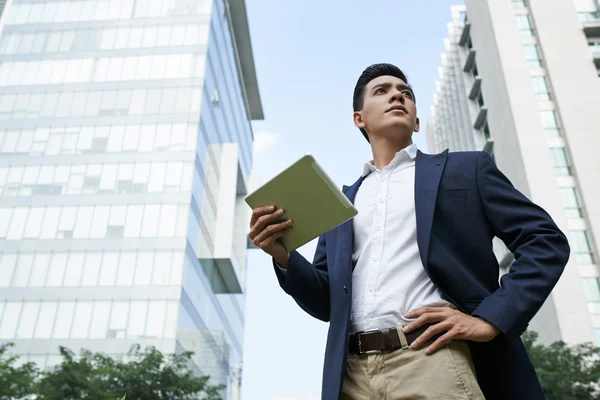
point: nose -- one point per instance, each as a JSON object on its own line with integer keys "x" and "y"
{"x": 397, "y": 96}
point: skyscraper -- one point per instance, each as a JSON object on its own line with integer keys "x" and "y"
{"x": 125, "y": 154}
{"x": 520, "y": 79}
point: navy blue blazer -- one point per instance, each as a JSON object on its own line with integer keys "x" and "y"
{"x": 462, "y": 201}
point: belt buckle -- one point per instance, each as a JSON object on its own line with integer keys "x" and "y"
{"x": 360, "y": 351}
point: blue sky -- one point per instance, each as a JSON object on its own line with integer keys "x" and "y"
{"x": 308, "y": 55}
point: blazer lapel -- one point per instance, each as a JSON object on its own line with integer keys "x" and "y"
{"x": 428, "y": 172}
{"x": 345, "y": 233}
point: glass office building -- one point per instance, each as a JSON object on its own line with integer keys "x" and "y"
{"x": 125, "y": 153}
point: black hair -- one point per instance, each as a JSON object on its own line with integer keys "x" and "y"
{"x": 370, "y": 73}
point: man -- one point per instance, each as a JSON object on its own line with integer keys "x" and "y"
{"x": 410, "y": 285}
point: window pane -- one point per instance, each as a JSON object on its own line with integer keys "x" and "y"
{"x": 50, "y": 225}
{"x": 100, "y": 222}
{"x": 171, "y": 320}
{"x": 91, "y": 269}
{"x": 57, "y": 269}
{"x": 108, "y": 271}
{"x": 17, "y": 224}
{"x": 34, "y": 223}
{"x": 126, "y": 269}
{"x": 7, "y": 266}
{"x": 74, "y": 269}
{"x": 118, "y": 318}
{"x": 23, "y": 271}
{"x": 81, "y": 322}
{"x": 83, "y": 222}
{"x": 10, "y": 319}
{"x": 100, "y": 320}
{"x": 64, "y": 319}
{"x": 29, "y": 316}
{"x": 156, "y": 318}
{"x": 39, "y": 270}
{"x": 134, "y": 221}
{"x": 151, "y": 220}
{"x": 137, "y": 318}
{"x": 167, "y": 220}
{"x": 5, "y": 216}
{"x": 43, "y": 329}
{"x": 591, "y": 288}
{"x": 143, "y": 269}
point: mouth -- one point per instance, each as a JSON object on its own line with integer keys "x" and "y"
{"x": 398, "y": 107}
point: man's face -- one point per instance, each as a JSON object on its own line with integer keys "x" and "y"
{"x": 388, "y": 108}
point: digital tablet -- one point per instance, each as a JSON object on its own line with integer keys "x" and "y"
{"x": 309, "y": 198}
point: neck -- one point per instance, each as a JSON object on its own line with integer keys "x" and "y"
{"x": 385, "y": 149}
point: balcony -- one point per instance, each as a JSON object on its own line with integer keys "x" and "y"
{"x": 470, "y": 61}
{"x": 222, "y": 245}
{"x": 481, "y": 118}
{"x": 591, "y": 23}
{"x": 489, "y": 145}
{"x": 464, "y": 37}
{"x": 475, "y": 89}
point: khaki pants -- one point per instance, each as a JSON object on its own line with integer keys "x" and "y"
{"x": 407, "y": 374}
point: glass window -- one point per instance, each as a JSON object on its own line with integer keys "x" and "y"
{"x": 108, "y": 38}
{"x": 571, "y": 202}
{"x": 123, "y": 101}
{"x": 134, "y": 220}
{"x": 64, "y": 319}
{"x": 162, "y": 267}
{"x": 581, "y": 247}
{"x": 25, "y": 142}
{"x": 550, "y": 123}
{"x": 191, "y": 35}
{"x": 26, "y": 43}
{"x": 172, "y": 66}
{"x": 157, "y": 178}
{"x": 185, "y": 70}
{"x": 43, "y": 329}
{"x": 78, "y": 106}
{"x": 87, "y": 11}
{"x": 23, "y": 271}
{"x": 118, "y": 319}
{"x": 39, "y": 270}
{"x": 58, "y": 71}
{"x": 91, "y": 268}
{"x": 143, "y": 269}
{"x": 174, "y": 170}
{"x": 126, "y": 269}
{"x": 177, "y": 35}
{"x": 8, "y": 263}
{"x": 108, "y": 271}
{"x": 152, "y": 103}
{"x": 83, "y": 222}
{"x": 183, "y": 100}
{"x": 147, "y": 136}
{"x": 156, "y": 318}
{"x": 159, "y": 65}
{"x": 115, "y": 67}
{"x": 64, "y": 104}
{"x": 116, "y": 224}
{"x": 57, "y": 269}
{"x": 81, "y": 321}
{"x": 559, "y": 161}
{"x": 168, "y": 217}
{"x": 17, "y": 224}
{"x": 178, "y": 136}
{"x": 518, "y": 3}
{"x": 108, "y": 179}
{"x": 74, "y": 269}
{"x": 100, "y": 222}
{"x": 101, "y": 10}
{"x": 92, "y": 106}
{"x": 50, "y": 224}
{"x": 163, "y": 35}
{"x": 138, "y": 100}
{"x": 532, "y": 56}
{"x": 73, "y": 67}
{"x": 144, "y": 65}
{"x": 29, "y": 316}
{"x": 99, "y": 325}
{"x": 151, "y": 220}
{"x": 67, "y": 222}
{"x": 130, "y": 69}
{"x": 591, "y": 288}
{"x": 114, "y": 9}
{"x": 149, "y": 39}
{"x": 540, "y": 88}
{"x": 34, "y": 223}
{"x": 524, "y": 25}
{"x": 137, "y": 318}
{"x": 176, "y": 268}
{"x": 167, "y": 105}
{"x": 171, "y": 320}
{"x": 10, "y": 319}
{"x": 136, "y": 35}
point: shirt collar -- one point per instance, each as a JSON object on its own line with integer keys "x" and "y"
{"x": 406, "y": 154}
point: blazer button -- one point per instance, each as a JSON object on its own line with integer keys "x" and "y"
{"x": 345, "y": 289}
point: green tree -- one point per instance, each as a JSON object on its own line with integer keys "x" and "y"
{"x": 145, "y": 374}
{"x": 15, "y": 381}
{"x": 565, "y": 372}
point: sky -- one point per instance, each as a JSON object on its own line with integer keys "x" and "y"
{"x": 308, "y": 56}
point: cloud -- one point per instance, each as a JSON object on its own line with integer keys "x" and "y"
{"x": 263, "y": 141}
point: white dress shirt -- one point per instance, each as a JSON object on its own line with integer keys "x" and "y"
{"x": 389, "y": 279}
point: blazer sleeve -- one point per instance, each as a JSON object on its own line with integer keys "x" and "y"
{"x": 307, "y": 283}
{"x": 540, "y": 249}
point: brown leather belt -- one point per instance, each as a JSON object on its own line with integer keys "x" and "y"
{"x": 376, "y": 341}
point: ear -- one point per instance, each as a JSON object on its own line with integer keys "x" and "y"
{"x": 358, "y": 120}
{"x": 417, "y": 125}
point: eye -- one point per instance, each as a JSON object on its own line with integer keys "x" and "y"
{"x": 407, "y": 93}
{"x": 379, "y": 90}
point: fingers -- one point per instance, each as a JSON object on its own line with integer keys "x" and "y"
{"x": 259, "y": 212}
{"x": 427, "y": 318}
{"x": 423, "y": 310}
{"x": 262, "y": 221}
{"x": 431, "y": 332}
{"x": 440, "y": 342}
{"x": 271, "y": 230}
{"x": 265, "y": 244}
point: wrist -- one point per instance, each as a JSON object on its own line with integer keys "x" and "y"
{"x": 282, "y": 260}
